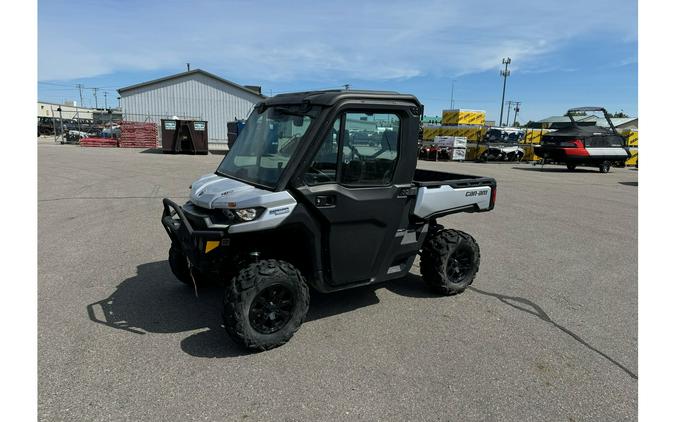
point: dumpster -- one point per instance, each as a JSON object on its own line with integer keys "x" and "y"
{"x": 185, "y": 136}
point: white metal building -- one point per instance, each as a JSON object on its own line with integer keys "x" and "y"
{"x": 191, "y": 95}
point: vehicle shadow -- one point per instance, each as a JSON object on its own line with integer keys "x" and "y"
{"x": 629, "y": 183}
{"x": 158, "y": 150}
{"x": 555, "y": 169}
{"x": 153, "y": 301}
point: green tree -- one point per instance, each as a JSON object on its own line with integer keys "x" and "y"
{"x": 618, "y": 114}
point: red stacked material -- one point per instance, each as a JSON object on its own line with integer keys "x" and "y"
{"x": 138, "y": 135}
{"x": 98, "y": 142}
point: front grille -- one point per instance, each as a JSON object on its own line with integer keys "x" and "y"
{"x": 198, "y": 215}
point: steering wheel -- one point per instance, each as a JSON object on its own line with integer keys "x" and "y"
{"x": 353, "y": 154}
{"x": 319, "y": 175}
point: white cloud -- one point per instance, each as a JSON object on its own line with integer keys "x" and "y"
{"x": 267, "y": 40}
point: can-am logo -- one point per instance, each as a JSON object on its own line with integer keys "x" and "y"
{"x": 280, "y": 211}
{"x": 477, "y": 193}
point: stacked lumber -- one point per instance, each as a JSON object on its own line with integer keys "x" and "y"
{"x": 138, "y": 135}
{"x": 98, "y": 142}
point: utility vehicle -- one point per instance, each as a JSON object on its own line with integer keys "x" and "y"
{"x": 503, "y": 144}
{"x": 584, "y": 145}
{"x": 297, "y": 203}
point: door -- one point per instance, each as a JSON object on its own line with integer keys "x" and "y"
{"x": 349, "y": 186}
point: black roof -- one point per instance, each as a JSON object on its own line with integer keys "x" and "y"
{"x": 330, "y": 97}
{"x": 587, "y": 109}
{"x": 190, "y": 72}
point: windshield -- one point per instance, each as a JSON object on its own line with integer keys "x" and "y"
{"x": 267, "y": 142}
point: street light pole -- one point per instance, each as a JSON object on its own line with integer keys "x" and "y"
{"x": 505, "y": 73}
{"x": 79, "y": 86}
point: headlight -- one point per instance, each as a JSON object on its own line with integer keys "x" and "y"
{"x": 247, "y": 214}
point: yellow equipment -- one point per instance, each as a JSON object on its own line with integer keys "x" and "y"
{"x": 463, "y": 117}
{"x": 632, "y": 143}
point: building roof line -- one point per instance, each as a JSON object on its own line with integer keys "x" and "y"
{"x": 189, "y": 72}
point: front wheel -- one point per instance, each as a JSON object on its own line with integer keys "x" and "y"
{"x": 180, "y": 268}
{"x": 605, "y": 166}
{"x": 571, "y": 167}
{"x": 450, "y": 261}
{"x": 265, "y": 304}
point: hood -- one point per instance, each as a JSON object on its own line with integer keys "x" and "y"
{"x": 214, "y": 191}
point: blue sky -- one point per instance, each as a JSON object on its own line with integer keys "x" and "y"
{"x": 564, "y": 54}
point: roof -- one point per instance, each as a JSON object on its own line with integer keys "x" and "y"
{"x": 188, "y": 73}
{"x": 565, "y": 119}
{"x": 65, "y": 105}
{"x": 617, "y": 121}
{"x": 600, "y": 121}
{"x": 330, "y": 97}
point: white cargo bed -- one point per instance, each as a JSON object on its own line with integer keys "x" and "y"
{"x": 441, "y": 193}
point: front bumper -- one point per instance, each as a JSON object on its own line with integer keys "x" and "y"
{"x": 196, "y": 244}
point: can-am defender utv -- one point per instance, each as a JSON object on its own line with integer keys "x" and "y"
{"x": 298, "y": 203}
{"x": 579, "y": 144}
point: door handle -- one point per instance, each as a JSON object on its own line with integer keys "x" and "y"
{"x": 324, "y": 201}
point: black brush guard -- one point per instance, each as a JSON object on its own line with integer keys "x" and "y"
{"x": 192, "y": 242}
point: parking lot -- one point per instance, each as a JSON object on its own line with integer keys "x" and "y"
{"x": 547, "y": 332}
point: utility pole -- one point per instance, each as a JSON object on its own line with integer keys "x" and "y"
{"x": 516, "y": 109}
{"x": 79, "y": 86}
{"x": 188, "y": 66}
{"x": 508, "y": 111}
{"x": 95, "y": 97}
{"x": 452, "y": 96}
{"x": 505, "y": 73}
{"x": 53, "y": 122}
{"x": 61, "y": 120}
{"x": 105, "y": 96}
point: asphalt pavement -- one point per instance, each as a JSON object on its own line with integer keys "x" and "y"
{"x": 547, "y": 332}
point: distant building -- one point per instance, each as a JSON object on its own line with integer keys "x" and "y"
{"x": 191, "y": 95}
{"x": 431, "y": 120}
{"x": 68, "y": 111}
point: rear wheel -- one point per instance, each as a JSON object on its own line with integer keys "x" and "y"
{"x": 265, "y": 304}
{"x": 450, "y": 261}
{"x": 571, "y": 167}
{"x": 605, "y": 166}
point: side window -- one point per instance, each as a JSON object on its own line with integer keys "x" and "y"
{"x": 324, "y": 166}
{"x": 370, "y": 148}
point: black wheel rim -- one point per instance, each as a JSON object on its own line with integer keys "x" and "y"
{"x": 271, "y": 309}
{"x": 459, "y": 265}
